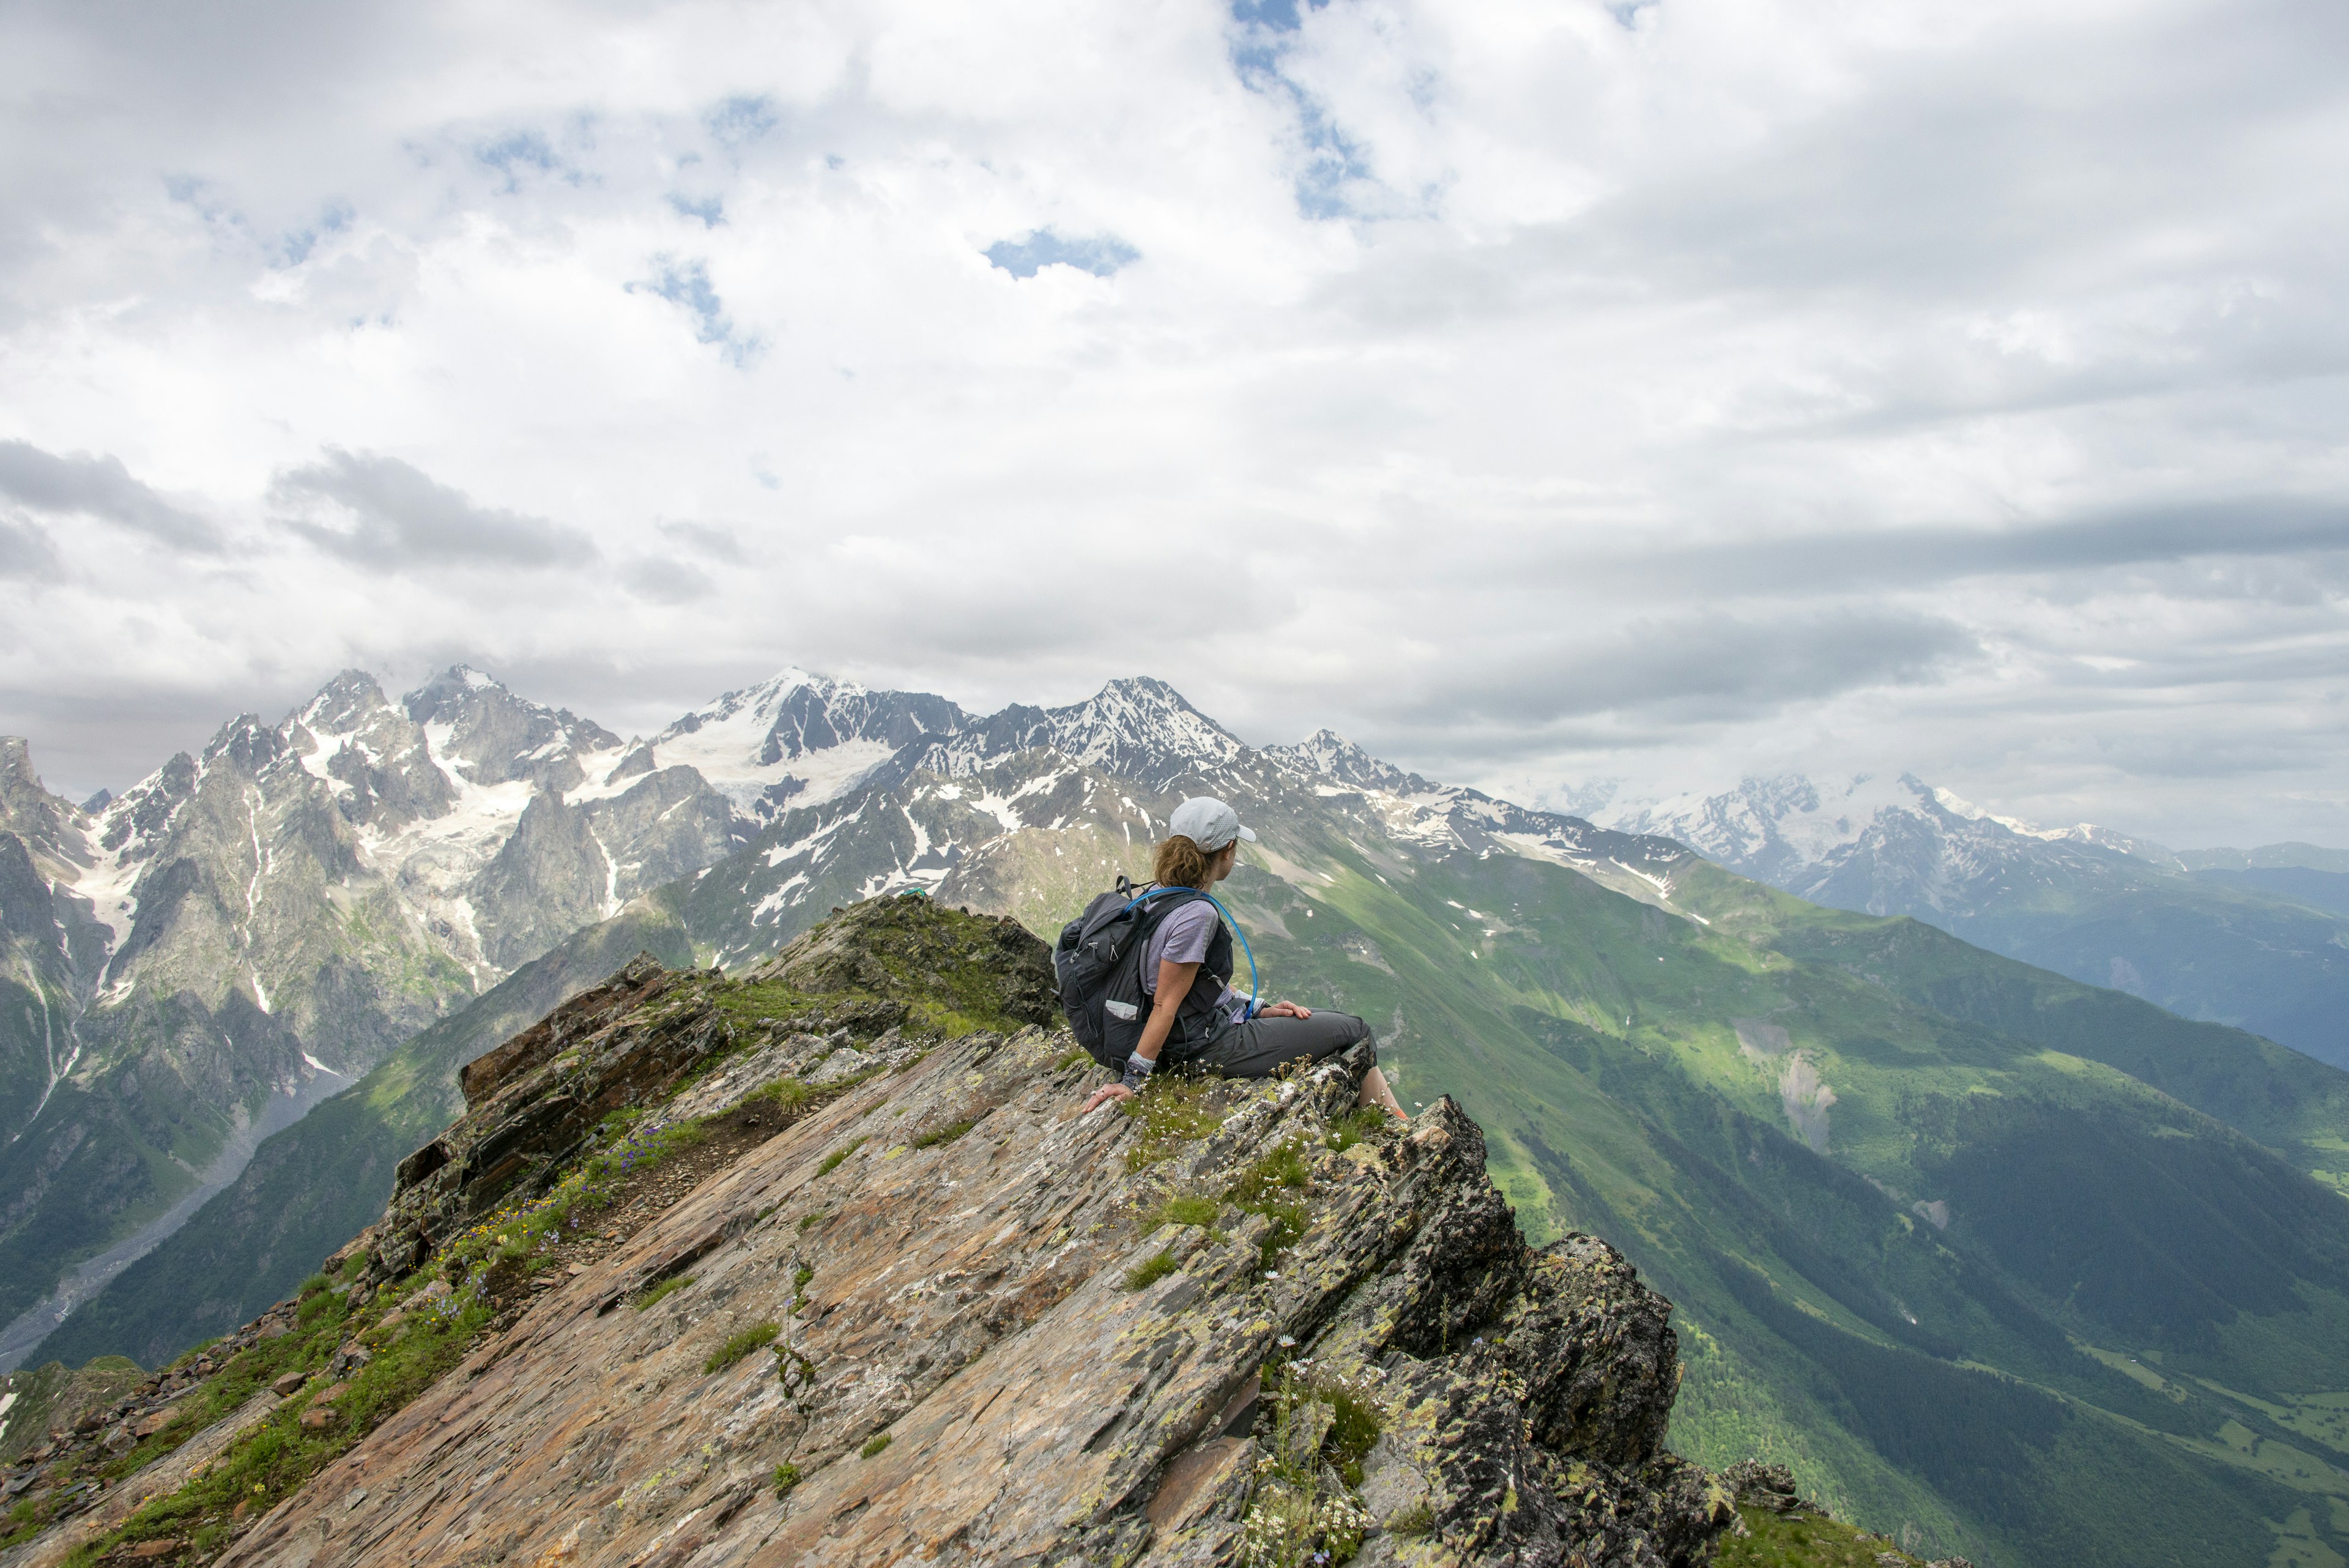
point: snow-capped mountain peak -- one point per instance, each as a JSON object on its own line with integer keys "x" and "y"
{"x": 797, "y": 739}
{"x": 1137, "y": 727}
{"x": 1329, "y": 754}
{"x": 758, "y": 705}
{"x": 1949, "y": 800}
{"x": 1766, "y": 827}
{"x": 51, "y": 827}
{"x": 248, "y": 740}
{"x": 371, "y": 755}
{"x": 1133, "y": 728}
{"x": 1883, "y": 844}
{"x": 2078, "y": 833}
{"x": 483, "y": 731}
{"x": 348, "y": 702}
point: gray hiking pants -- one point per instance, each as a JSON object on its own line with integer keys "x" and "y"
{"x": 1257, "y": 1048}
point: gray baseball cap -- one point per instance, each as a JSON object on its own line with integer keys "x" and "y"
{"x": 1208, "y": 823}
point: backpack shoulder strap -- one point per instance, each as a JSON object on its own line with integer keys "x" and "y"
{"x": 1157, "y": 902}
{"x": 1146, "y": 911}
{"x": 1128, "y": 908}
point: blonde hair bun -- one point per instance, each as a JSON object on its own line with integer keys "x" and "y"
{"x": 1179, "y": 863}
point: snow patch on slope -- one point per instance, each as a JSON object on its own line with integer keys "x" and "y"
{"x": 731, "y": 743}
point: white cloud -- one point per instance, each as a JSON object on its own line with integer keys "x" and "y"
{"x": 1660, "y": 391}
{"x": 382, "y": 513}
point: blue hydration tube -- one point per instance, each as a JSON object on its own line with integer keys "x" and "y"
{"x": 1253, "y": 987}
{"x": 1243, "y": 946}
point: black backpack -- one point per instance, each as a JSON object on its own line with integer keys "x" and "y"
{"x": 1098, "y": 961}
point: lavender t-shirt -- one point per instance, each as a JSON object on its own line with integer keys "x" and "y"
{"x": 1183, "y": 938}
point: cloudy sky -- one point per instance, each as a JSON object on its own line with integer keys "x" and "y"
{"x": 1541, "y": 392}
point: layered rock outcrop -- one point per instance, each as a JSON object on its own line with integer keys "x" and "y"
{"x": 927, "y": 1310}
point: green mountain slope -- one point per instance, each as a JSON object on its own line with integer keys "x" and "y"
{"x": 2327, "y": 890}
{"x": 2267, "y": 858}
{"x": 318, "y": 1183}
{"x": 2290, "y": 1102}
{"x": 2254, "y": 939}
{"x": 2243, "y": 956}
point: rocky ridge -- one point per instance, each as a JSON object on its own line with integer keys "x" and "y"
{"x": 917, "y": 1304}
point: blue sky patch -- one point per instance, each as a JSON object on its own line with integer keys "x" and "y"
{"x": 710, "y": 210}
{"x": 1333, "y": 161}
{"x": 1100, "y": 254}
{"x": 736, "y": 120}
{"x": 1280, "y": 15}
{"x": 686, "y": 284}
{"x": 294, "y": 246}
{"x": 209, "y": 201}
{"x": 514, "y": 154}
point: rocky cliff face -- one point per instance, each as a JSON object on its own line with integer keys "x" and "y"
{"x": 823, "y": 1264}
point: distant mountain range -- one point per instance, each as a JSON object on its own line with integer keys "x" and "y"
{"x": 194, "y": 965}
{"x": 191, "y": 964}
{"x": 2001, "y": 1263}
{"x": 2258, "y": 938}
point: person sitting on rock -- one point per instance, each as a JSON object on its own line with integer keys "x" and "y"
{"x": 1197, "y": 1020}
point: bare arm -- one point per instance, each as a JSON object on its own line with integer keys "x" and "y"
{"x": 1174, "y": 985}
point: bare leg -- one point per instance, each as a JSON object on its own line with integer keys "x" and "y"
{"x": 1376, "y": 1093}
